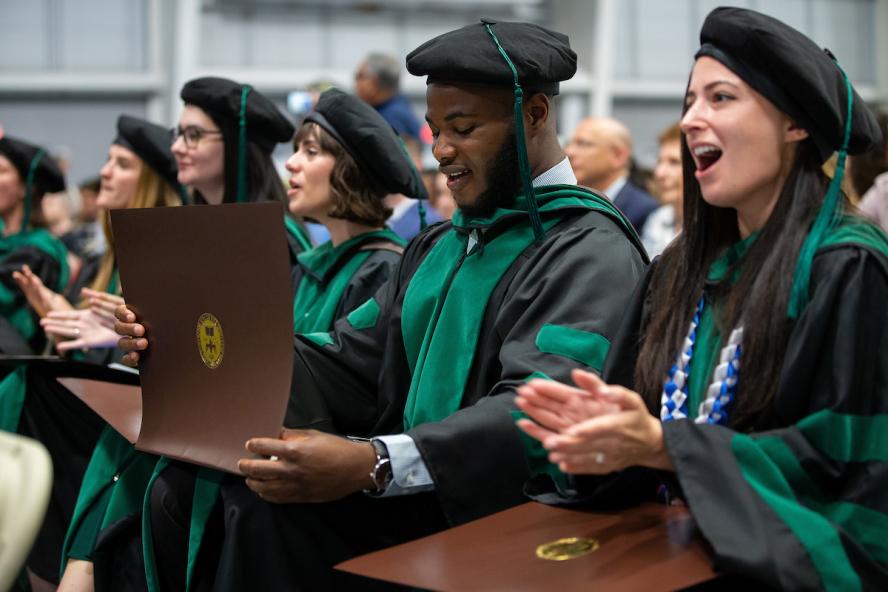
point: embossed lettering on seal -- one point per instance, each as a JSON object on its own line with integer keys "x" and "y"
{"x": 210, "y": 340}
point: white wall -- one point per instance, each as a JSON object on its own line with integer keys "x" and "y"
{"x": 69, "y": 67}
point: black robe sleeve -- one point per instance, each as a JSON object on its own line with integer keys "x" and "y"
{"x": 375, "y": 271}
{"x": 335, "y": 382}
{"x": 803, "y": 506}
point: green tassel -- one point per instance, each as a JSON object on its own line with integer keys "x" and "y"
{"x": 242, "y": 147}
{"x": 827, "y": 219}
{"x": 29, "y": 184}
{"x": 523, "y": 162}
{"x": 422, "y": 216}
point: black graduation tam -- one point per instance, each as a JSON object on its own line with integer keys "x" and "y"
{"x": 151, "y": 143}
{"x": 221, "y": 99}
{"x": 46, "y": 175}
{"x": 370, "y": 140}
{"x": 791, "y": 71}
{"x": 542, "y": 58}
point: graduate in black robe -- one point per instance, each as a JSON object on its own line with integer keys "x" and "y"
{"x": 26, "y": 173}
{"x": 140, "y": 172}
{"x": 768, "y": 416}
{"x": 430, "y": 363}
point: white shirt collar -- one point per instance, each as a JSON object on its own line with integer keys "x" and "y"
{"x": 560, "y": 174}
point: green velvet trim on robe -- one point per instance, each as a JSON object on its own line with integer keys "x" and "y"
{"x": 12, "y": 398}
{"x": 294, "y": 230}
{"x": 326, "y": 277}
{"x": 113, "y": 487}
{"x": 581, "y": 346}
{"x": 445, "y": 301}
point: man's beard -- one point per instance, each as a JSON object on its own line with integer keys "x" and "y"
{"x": 502, "y": 181}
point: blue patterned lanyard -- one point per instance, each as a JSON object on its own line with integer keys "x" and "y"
{"x": 719, "y": 395}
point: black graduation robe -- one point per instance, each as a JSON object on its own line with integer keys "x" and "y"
{"x": 799, "y": 502}
{"x": 575, "y": 283}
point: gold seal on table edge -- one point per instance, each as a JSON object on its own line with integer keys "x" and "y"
{"x": 567, "y": 548}
{"x": 210, "y": 340}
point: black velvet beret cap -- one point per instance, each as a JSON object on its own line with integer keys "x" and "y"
{"x": 790, "y": 70}
{"x": 542, "y": 57}
{"x": 221, "y": 99}
{"x": 151, "y": 143}
{"x": 48, "y": 178}
{"x": 370, "y": 140}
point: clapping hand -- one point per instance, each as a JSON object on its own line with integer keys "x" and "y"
{"x": 594, "y": 428}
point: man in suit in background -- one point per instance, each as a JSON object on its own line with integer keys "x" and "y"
{"x": 600, "y": 152}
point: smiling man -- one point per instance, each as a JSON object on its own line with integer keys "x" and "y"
{"x": 517, "y": 286}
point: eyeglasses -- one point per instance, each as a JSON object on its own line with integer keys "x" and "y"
{"x": 191, "y": 135}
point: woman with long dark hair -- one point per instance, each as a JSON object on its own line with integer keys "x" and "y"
{"x": 748, "y": 378}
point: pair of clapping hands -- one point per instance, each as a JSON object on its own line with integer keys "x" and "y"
{"x": 592, "y": 428}
{"x": 71, "y": 328}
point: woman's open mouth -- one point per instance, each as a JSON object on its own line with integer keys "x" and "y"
{"x": 705, "y": 156}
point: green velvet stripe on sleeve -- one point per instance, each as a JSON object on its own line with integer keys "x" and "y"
{"x": 365, "y": 316}
{"x": 581, "y": 346}
{"x": 777, "y": 475}
{"x": 537, "y": 456}
{"x": 848, "y": 438}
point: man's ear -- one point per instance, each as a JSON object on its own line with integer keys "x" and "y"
{"x": 536, "y": 111}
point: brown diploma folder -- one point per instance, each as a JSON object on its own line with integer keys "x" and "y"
{"x": 649, "y": 547}
{"x": 212, "y": 286}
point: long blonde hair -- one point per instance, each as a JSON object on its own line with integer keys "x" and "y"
{"x": 152, "y": 191}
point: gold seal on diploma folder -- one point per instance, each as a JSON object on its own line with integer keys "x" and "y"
{"x": 210, "y": 340}
{"x": 567, "y": 548}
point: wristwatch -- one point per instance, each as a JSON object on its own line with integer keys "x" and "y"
{"x": 382, "y": 470}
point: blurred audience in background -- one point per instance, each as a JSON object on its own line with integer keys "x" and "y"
{"x": 869, "y": 178}
{"x": 664, "y": 223}
{"x": 600, "y": 153}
